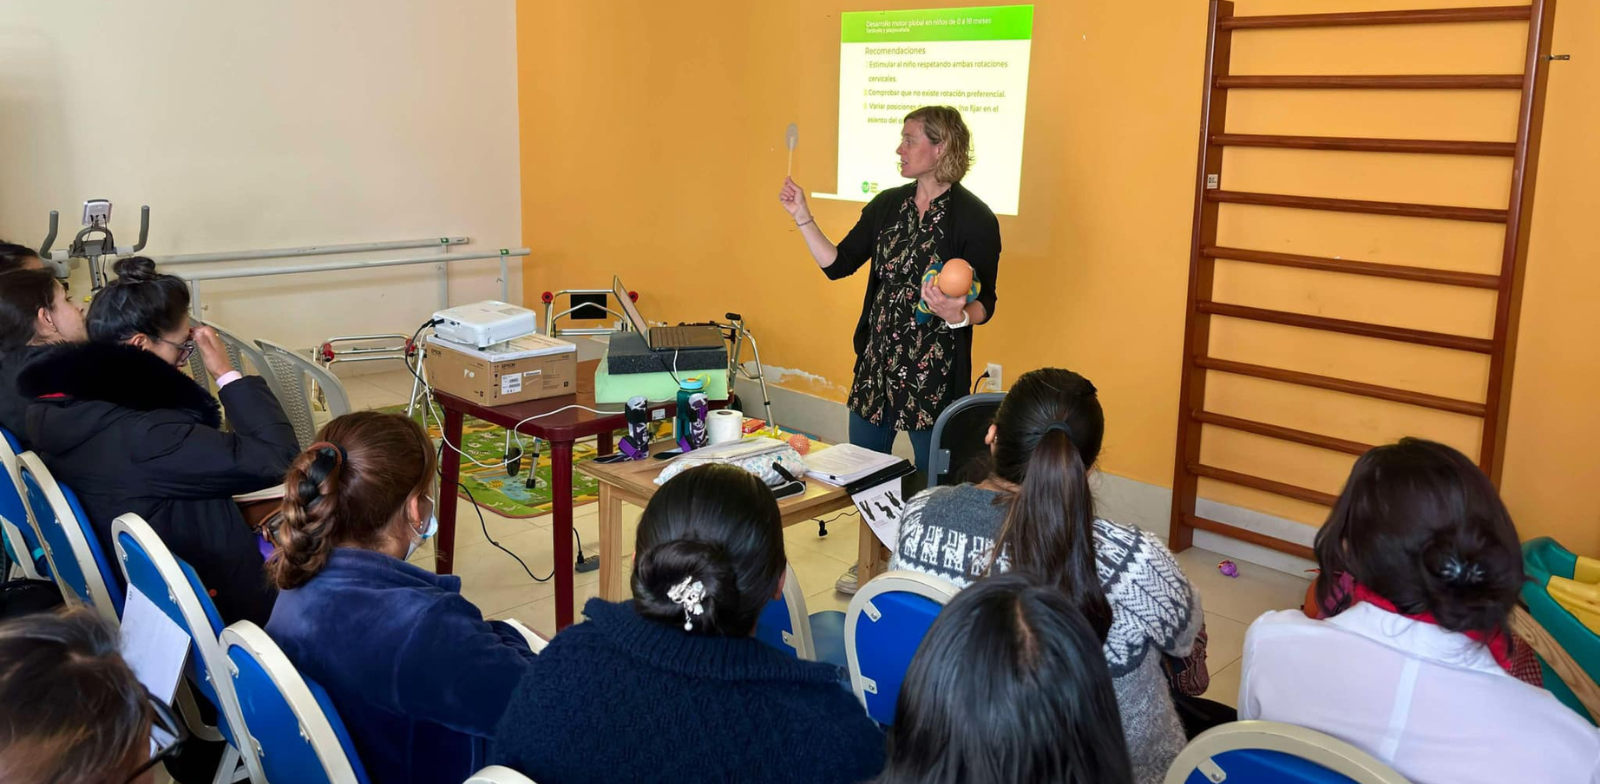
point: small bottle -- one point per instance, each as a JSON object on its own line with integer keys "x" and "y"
{"x": 681, "y": 423}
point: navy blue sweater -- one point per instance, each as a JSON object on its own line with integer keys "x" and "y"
{"x": 419, "y": 678}
{"x": 622, "y": 698}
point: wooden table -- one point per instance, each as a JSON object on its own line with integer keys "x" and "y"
{"x": 560, "y": 430}
{"x": 633, "y": 481}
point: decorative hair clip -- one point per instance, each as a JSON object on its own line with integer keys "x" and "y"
{"x": 688, "y": 595}
{"x": 1455, "y": 571}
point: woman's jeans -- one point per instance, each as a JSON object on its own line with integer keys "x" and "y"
{"x": 880, "y": 438}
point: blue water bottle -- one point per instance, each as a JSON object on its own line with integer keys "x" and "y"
{"x": 681, "y": 423}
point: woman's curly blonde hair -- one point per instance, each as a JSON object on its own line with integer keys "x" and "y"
{"x": 943, "y": 125}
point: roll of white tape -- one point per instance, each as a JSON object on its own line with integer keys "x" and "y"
{"x": 724, "y": 425}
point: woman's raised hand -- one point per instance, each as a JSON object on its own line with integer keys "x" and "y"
{"x": 793, "y": 199}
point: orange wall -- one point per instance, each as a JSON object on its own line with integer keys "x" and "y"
{"x": 652, "y": 147}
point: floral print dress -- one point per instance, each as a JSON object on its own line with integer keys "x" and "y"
{"x": 903, "y": 374}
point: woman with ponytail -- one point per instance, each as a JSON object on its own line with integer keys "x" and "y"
{"x": 117, "y": 420}
{"x": 1035, "y": 513}
{"x": 418, "y": 676}
{"x": 673, "y": 686}
{"x": 1412, "y": 664}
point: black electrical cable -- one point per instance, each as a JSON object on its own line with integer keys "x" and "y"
{"x": 979, "y": 381}
{"x": 485, "y": 526}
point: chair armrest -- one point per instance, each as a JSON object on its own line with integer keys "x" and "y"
{"x": 535, "y": 642}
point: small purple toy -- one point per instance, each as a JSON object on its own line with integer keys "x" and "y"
{"x": 1228, "y": 569}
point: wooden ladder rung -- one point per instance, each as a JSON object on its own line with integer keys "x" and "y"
{"x": 1394, "y": 271}
{"x": 1249, "y": 480}
{"x": 1280, "y": 432}
{"x": 1347, "y": 327}
{"x": 1402, "y": 209}
{"x": 1246, "y": 535}
{"x": 1357, "y": 144}
{"x": 1505, "y": 13}
{"x": 1357, "y": 82}
{"x": 1420, "y": 399}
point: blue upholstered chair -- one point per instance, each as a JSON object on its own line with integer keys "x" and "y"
{"x": 16, "y": 521}
{"x": 1267, "y": 752}
{"x": 296, "y": 731}
{"x": 885, "y": 624}
{"x": 81, "y": 569}
{"x": 784, "y": 624}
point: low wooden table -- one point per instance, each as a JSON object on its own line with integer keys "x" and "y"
{"x": 633, "y": 481}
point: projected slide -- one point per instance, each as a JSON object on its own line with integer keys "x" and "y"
{"x": 891, "y": 62}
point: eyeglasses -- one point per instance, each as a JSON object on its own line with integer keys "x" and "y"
{"x": 185, "y": 349}
{"x": 167, "y": 736}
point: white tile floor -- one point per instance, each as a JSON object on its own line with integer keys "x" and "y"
{"x": 502, "y": 589}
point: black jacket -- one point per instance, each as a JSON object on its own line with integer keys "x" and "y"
{"x": 130, "y": 433}
{"x": 13, "y": 406}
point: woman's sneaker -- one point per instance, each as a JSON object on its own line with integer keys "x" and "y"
{"x": 847, "y": 582}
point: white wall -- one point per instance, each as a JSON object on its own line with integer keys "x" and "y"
{"x": 271, "y": 124}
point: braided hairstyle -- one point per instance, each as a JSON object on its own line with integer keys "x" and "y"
{"x": 719, "y": 526}
{"x": 348, "y": 489}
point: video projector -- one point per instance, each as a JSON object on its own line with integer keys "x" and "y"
{"x": 485, "y": 323}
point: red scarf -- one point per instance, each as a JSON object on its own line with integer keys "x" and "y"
{"x": 1498, "y": 643}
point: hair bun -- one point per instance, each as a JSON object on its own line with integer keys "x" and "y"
{"x": 662, "y": 569}
{"x": 136, "y": 269}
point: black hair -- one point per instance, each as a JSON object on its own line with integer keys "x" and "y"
{"x": 13, "y": 256}
{"x": 70, "y": 708}
{"x": 719, "y": 525}
{"x": 1422, "y": 526}
{"x": 1009, "y": 685}
{"x": 1047, "y": 436}
{"x": 23, "y": 293}
{"x": 140, "y": 301}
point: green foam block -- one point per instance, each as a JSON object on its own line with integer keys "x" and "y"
{"x": 654, "y": 386}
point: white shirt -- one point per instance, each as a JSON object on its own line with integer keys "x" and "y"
{"x": 1430, "y": 703}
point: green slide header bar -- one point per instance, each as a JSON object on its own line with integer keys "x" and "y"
{"x": 986, "y": 23}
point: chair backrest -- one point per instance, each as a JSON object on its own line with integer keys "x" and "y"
{"x": 1542, "y": 559}
{"x": 297, "y": 380}
{"x": 174, "y": 588}
{"x": 784, "y": 623}
{"x": 81, "y": 569}
{"x": 16, "y": 521}
{"x": 244, "y": 354}
{"x": 957, "y": 438}
{"x": 297, "y": 732}
{"x": 887, "y": 619}
{"x": 1248, "y": 752}
{"x": 494, "y": 774}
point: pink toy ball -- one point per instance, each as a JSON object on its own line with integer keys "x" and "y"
{"x": 800, "y": 443}
{"x": 1228, "y": 569}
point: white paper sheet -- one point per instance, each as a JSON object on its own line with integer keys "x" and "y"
{"x": 154, "y": 646}
{"x": 881, "y": 507}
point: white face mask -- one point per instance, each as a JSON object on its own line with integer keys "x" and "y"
{"x": 428, "y": 530}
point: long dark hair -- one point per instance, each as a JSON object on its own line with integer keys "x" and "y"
{"x": 23, "y": 293}
{"x": 70, "y": 708}
{"x": 719, "y": 525}
{"x": 347, "y": 489}
{"x": 140, "y": 301}
{"x": 1420, "y": 525}
{"x": 14, "y": 256}
{"x": 1010, "y": 685}
{"x": 1047, "y": 436}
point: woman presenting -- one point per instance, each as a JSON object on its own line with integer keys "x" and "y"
{"x": 906, "y": 373}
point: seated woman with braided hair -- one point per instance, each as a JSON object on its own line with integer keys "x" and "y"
{"x": 417, "y": 675}
{"x": 672, "y": 686}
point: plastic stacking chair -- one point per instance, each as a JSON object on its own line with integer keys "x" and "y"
{"x": 245, "y": 355}
{"x": 885, "y": 624}
{"x": 291, "y": 721}
{"x": 785, "y": 625}
{"x": 82, "y": 570}
{"x": 957, "y": 438}
{"x": 1267, "y": 752}
{"x": 174, "y": 588}
{"x": 494, "y": 774}
{"x": 297, "y": 382}
{"x": 16, "y": 520}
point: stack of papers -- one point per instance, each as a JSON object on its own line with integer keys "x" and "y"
{"x": 845, "y": 463}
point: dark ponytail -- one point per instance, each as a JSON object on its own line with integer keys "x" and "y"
{"x": 346, "y": 490}
{"x": 719, "y": 527}
{"x": 1047, "y": 436}
{"x": 1421, "y": 526}
{"x": 140, "y": 301}
{"x": 23, "y": 294}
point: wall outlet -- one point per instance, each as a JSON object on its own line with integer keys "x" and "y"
{"x": 994, "y": 382}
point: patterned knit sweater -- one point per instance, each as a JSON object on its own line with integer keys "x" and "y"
{"x": 948, "y": 532}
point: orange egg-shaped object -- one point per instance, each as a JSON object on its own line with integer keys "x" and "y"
{"x": 955, "y": 280}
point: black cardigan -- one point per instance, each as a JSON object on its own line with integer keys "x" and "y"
{"x": 972, "y": 233}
